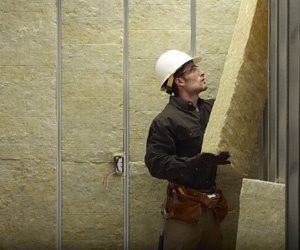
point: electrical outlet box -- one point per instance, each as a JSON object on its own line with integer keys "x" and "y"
{"x": 118, "y": 164}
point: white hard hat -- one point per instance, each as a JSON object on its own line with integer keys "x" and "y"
{"x": 169, "y": 62}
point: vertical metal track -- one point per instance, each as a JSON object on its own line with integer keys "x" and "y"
{"x": 282, "y": 86}
{"x": 59, "y": 121}
{"x": 272, "y": 93}
{"x": 292, "y": 171}
{"x": 193, "y": 28}
{"x": 277, "y": 95}
{"x": 126, "y": 124}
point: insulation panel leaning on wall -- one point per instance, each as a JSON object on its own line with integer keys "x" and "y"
{"x": 235, "y": 118}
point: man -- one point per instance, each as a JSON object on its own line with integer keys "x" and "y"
{"x": 173, "y": 153}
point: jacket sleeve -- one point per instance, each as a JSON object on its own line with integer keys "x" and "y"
{"x": 161, "y": 158}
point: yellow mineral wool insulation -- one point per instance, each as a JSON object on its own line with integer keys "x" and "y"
{"x": 253, "y": 227}
{"x": 235, "y": 118}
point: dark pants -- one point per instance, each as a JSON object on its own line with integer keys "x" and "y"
{"x": 206, "y": 235}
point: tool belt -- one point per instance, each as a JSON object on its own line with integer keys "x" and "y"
{"x": 185, "y": 204}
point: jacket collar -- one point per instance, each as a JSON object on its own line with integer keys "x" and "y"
{"x": 183, "y": 104}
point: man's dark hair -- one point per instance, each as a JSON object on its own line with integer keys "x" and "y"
{"x": 174, "y": 88}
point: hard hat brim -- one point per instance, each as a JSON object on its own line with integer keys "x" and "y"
{"x": 197, "y": 59}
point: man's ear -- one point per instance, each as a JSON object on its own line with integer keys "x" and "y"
{"x": 179, "y": 81}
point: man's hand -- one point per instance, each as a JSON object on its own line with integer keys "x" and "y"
{"x": 209, "y": 160}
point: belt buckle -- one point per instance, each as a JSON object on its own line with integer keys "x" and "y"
{"x": 213, "y": 196}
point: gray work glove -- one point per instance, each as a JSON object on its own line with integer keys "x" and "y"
{"x": 210, "y": 160}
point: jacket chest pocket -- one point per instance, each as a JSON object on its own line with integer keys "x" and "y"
{"x": 189, "y": 141}
{"x": 184, "y": 134}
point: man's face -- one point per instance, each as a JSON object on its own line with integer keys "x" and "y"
{"x": 194, "y": 79}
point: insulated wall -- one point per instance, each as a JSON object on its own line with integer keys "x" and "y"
{"x": 27, "y": 125}
{"x": 92, "y": 39}
{"x": 92, "y": 124}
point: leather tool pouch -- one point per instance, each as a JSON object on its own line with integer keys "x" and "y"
{"x": 183, "y": 208}
{"x": 221, "y": 206}
{"x": 186, "y": 204}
